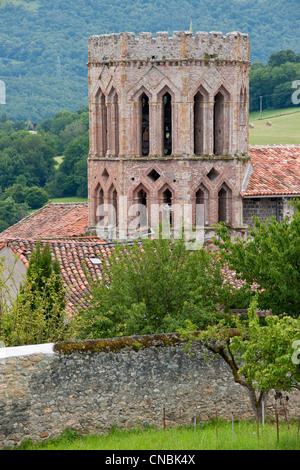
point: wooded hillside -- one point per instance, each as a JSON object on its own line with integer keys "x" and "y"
{"x": 43, "y": 43}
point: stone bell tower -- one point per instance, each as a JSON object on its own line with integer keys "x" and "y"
{"x": 168, "y": 124}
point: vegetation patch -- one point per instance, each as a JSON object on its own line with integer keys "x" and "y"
{"x": 133, "y": 343}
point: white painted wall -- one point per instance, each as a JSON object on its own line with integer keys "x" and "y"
{"x": 18, "y": 351}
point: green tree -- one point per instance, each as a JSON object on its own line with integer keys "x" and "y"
{"x": 269, "y": 258}
{"x": 37, "y": 314}
{"x": 281, "y": 57}
{"x": 260, "y": 357}
{"x": 268, "y": 351}
{"x": 152, "y": 288}
{"x": 71, "y": 176}
{"x": 11, "y": 212}
{"x": 36, "y": 197}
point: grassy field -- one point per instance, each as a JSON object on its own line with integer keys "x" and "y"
{"x": 239, "y": 436}
{"x": 69, "y": 199}
{"x": 58, "y": 160}
{"x": 285, "y": 128}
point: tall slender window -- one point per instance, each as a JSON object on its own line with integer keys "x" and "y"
{"x": 198, "y": 124}
{"x": 142, "y": 200}
{"x": 167, "y": 124}
{"x": 243, "y": 107}
{"x": 113, "y": 120}
{"x": 167, "y": 201}
{"x": 99, "y": 201}
{"x": 224, "y": 204}
{"x": 116, "y": 120}
{"x": 202, "y": 206}
{"x": 222, "y": 199}
{"x": 200, "y": 217}
{"x": 113, "y": 206}
{"x": 218, "y": 124}
{"x": 145, "y": 124}
{"x": 101, "y": 124}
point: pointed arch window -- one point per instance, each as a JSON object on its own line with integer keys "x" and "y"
{"x": 221, "y": 122}
{"x": 225, "y": 204}
{"x": 167, "y": 202}
{"x": 145, "y": 125}
{"x": 113, "y": 120}
{"x": 113, "y": 206}
{"x": 142, "y": 201}
{"x": 218, "y": 124}
{"x": 199, "y": 120}
{"x": 202, "y": 206}
{"x": 167, "y": 124}
{"x": 99, "y": 203}
{"x": 243, "y": 107}
{"x": 100, "y": 124}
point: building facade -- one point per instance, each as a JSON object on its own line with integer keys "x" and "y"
{"x": 168, "y": 128}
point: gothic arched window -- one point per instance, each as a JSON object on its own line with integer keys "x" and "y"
{"x": 145, "y": 137}
{"x": 225, "y": 204}
{"x": 167, "y": 124}
{"x": 100, "y": 124}
{"x": 221, "y": 122}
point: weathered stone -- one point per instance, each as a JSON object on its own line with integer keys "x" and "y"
{"x": 108, "y": 394}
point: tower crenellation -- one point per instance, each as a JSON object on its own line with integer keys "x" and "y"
{"x": 233, "y": 46}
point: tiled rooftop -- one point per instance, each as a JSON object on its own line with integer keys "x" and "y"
{"x": 77, "y": 258}
{"x": 55, "y": 220}
{"x": 74, "y": 256}
{"x": 275, "y": 171}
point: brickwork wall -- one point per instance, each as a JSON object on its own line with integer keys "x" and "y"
{"x": 122, "y": 69}
{"x": 182, "y": 177}
{"x": 123, "y": 382}
{"x": 263, "y": 208}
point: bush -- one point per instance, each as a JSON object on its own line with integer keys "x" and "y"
{"x": 152, "y": 288}
{"x": 36, "y": 197}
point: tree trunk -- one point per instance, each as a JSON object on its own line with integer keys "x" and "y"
{"x": 256, "y": 399}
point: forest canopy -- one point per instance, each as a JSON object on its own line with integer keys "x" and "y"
{"x": 43, "y": 44}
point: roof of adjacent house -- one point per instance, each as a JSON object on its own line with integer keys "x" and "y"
{"x": 274, "y": 171}
{"x": 79, "y": 262}
{"x": 55, "y": 220}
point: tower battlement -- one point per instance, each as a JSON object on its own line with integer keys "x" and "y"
{"x": 233, "y": 46}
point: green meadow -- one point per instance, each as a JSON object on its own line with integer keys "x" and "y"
{"x": 285, "y": 128}
{"x": 220, "y": 435}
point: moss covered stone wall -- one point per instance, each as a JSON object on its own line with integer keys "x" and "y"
{"x": 124, "y": 382}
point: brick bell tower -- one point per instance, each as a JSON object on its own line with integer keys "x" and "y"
{"x": 168, "y": 125}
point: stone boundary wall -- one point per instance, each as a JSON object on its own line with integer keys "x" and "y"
{"x": 125, "y": 382}
{"x": 182, "y": 45}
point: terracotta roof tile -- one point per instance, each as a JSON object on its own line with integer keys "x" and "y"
{"x": 275, "y": 171}
{"x": 74, "y": 259}
{"x": 55, "y": 220}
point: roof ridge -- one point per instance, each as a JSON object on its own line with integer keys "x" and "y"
{"x": 275, "y": 145}
{"x": 73, "y": 203}
{"x": 25, "y": 218}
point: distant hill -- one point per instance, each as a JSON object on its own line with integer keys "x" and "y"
{"x": 43, "y": 43}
